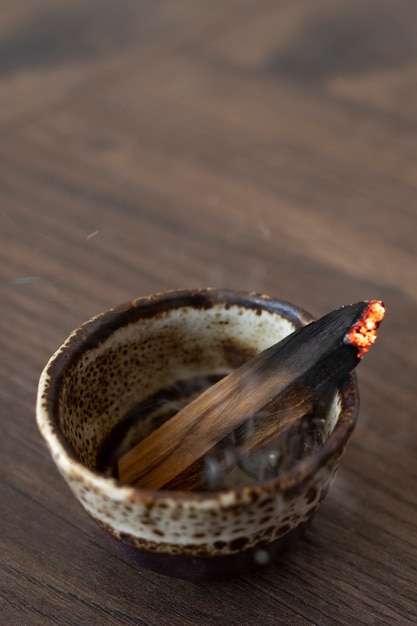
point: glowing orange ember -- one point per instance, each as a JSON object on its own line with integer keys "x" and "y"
{"x": 363, "y": 334}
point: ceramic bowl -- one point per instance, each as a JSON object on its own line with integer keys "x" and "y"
{"x": 124, "y": 372}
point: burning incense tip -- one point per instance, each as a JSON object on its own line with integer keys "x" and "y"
{"x": 363, "y": 334}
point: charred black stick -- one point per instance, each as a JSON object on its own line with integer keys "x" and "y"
{"x": 278, "y": 386}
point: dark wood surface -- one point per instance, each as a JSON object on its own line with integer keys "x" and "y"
{"x": 268, "y": 146}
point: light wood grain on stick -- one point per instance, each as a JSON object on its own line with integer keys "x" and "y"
{"x": 274, "y": 389}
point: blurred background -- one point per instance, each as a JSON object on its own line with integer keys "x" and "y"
{"x": 267, "y": 146}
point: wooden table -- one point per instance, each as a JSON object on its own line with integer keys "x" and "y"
{"x": 267, "y": 146}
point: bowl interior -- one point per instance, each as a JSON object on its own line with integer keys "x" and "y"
{"x": 123, "y": 377}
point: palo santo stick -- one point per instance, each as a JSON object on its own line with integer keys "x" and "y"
{"x": 278, "y": 386}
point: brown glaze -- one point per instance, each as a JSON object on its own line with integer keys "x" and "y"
{"x": 208, "y": 568}
{"x": 119, "y": 361}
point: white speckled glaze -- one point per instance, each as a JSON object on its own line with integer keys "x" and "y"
{"x": 123, "y": 357}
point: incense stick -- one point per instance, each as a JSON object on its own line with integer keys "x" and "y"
{"x": 278, "y": 386}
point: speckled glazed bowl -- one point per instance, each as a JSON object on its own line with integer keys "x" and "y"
{"x": 100, "y": 392}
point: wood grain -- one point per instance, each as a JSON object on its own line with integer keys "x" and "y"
{"x": 268, "y": 146}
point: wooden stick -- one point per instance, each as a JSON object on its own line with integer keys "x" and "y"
{"x": 278, "y": 386}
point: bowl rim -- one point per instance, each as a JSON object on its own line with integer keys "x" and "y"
{"x": 92, "y": 332}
